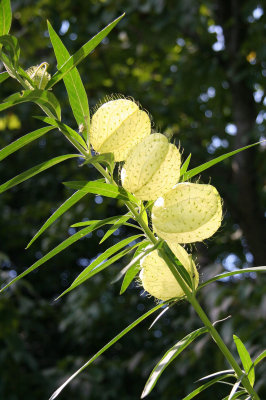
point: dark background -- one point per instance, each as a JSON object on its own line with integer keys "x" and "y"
{"x": 199, "y": 69}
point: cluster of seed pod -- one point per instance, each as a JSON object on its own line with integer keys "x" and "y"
{"x": 182, "y": 212}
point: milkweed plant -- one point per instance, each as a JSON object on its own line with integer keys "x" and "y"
{"x": 163, "y": 203}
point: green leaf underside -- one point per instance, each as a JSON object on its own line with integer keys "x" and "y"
{"x": 46, "y": 100}
{"x": 34, "y": 171}
{"x": 56, "y": 250}
{"x": 86, "y": 49}
{"x": 120, "y": 221}
{"x": 237, "y": 272}
{"x": 71, "y": 201}
{"x": 104, "y": 189}
{"x": 236, "y": 395}
{"x": 260, "y": 358}
{"x": 23, "y": 141}
{"x": 5, "y": 17}
{"x": 66, "y": 130}
{"x": 168, "y": 357}
{"x": 234, "y": 389}
{"x": 74, "y": 86}
{"x": 106, "y": 347}
{"x": 206, "y": 385}
{"x": 102, "y": 262}
{"x": 245, "y": 359}
{"x": 184, "y": 167}
{"x": 195, "y": 171}
{"x": 4, "y": 76}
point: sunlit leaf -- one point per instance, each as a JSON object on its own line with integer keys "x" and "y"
{"x": 46, "y": 100}
{"x": 74, "y": 86}
{"x": 105, "y": 158}
{"x": 195, "y": 171}
{"x": 236, "y": 395}
{"x": 5, "y": 17}
{"x": 168, "y": 357}
{"x": 234, "y": 389}
{"x": 34, "y": 171}
{"x": 86, "y": 49}
{"x": 260, "y": 358}
{"x": 106, "y": 347}
{"x": 184, "y": 167}
{"x": 246, "y": 360}
{"x": 12, "y": 49}
{"x": 104, "y": 189}
{"x": 23, "y": 141}
{"x": 237, "y": 272}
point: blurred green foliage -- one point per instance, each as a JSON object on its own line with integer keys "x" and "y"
{"x": 198, "y": 68}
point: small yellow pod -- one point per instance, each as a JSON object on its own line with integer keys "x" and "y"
{"x": 39, "y": 75}
{"x": 117, "y": 126}
{"x": 152, "y": 168}
{"x": 158, "y": 280}
{"x": 190, "y": 212}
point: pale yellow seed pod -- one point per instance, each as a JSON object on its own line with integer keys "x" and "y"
{"x": 152, "y": 168}
{"x": 188, "y": 213}
{"x": 117, "y": 126}
{"x": 39, "y": 75}
{"x": 158, "y": 280}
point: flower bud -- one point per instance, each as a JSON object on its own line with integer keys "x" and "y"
{"x": 117, "y": 126}
{"x": 188, "y": 213}
{"x": 152, "y": 168}
{"x": 158, "y": 280}
{"x": 39, "y": 75}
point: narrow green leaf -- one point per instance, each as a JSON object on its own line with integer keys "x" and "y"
{"x": 237, "y": 272}
{"x": 131, "y": 270}
{"x": 168, "y": 357}
{"x": 120, "y": 221}
{"x": 179, "y": 267}
{"x": 46, "y": 100}
{"x": 246, "y": 360}
{"x": 74, "y": 86}
{"x": 65, "y": 129}
{"x": 71, "y": 201}
{"x": 106, "y": 347}
{"x": 260, "y": 358}
{"x": 4, "y": 76}
{"x": 195, "y": 171}
{"x": 86, "y": 49}
{"x": 5, "y": 17}
{"x": 23, "y": 141}
{"x": 226, "y": 371}
{"x": 205, "y": 386}
{"x": 34, "y": 171}
{"x": 104, "y": 189}
{"x": 56, "y": 250}
{"x": 236, "y": 395}
{"x": 234, "y": 389}
{"x": 185, "y": 166}
{"x": 11, "y": 47}
{"x": 105, "y": 158}
{"x": 109, "y": 252}
{"x": 99, "y": 268}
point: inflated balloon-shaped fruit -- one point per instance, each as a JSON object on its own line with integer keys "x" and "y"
{"x": 152, "y": 167}
{"x": 117, "y": 126}
{"x": 190, "y": 212}
{"x": 158, "y": 280}
{"x": 39, "y": 75}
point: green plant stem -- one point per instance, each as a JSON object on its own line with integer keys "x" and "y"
{"x": 190, "y": 296}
